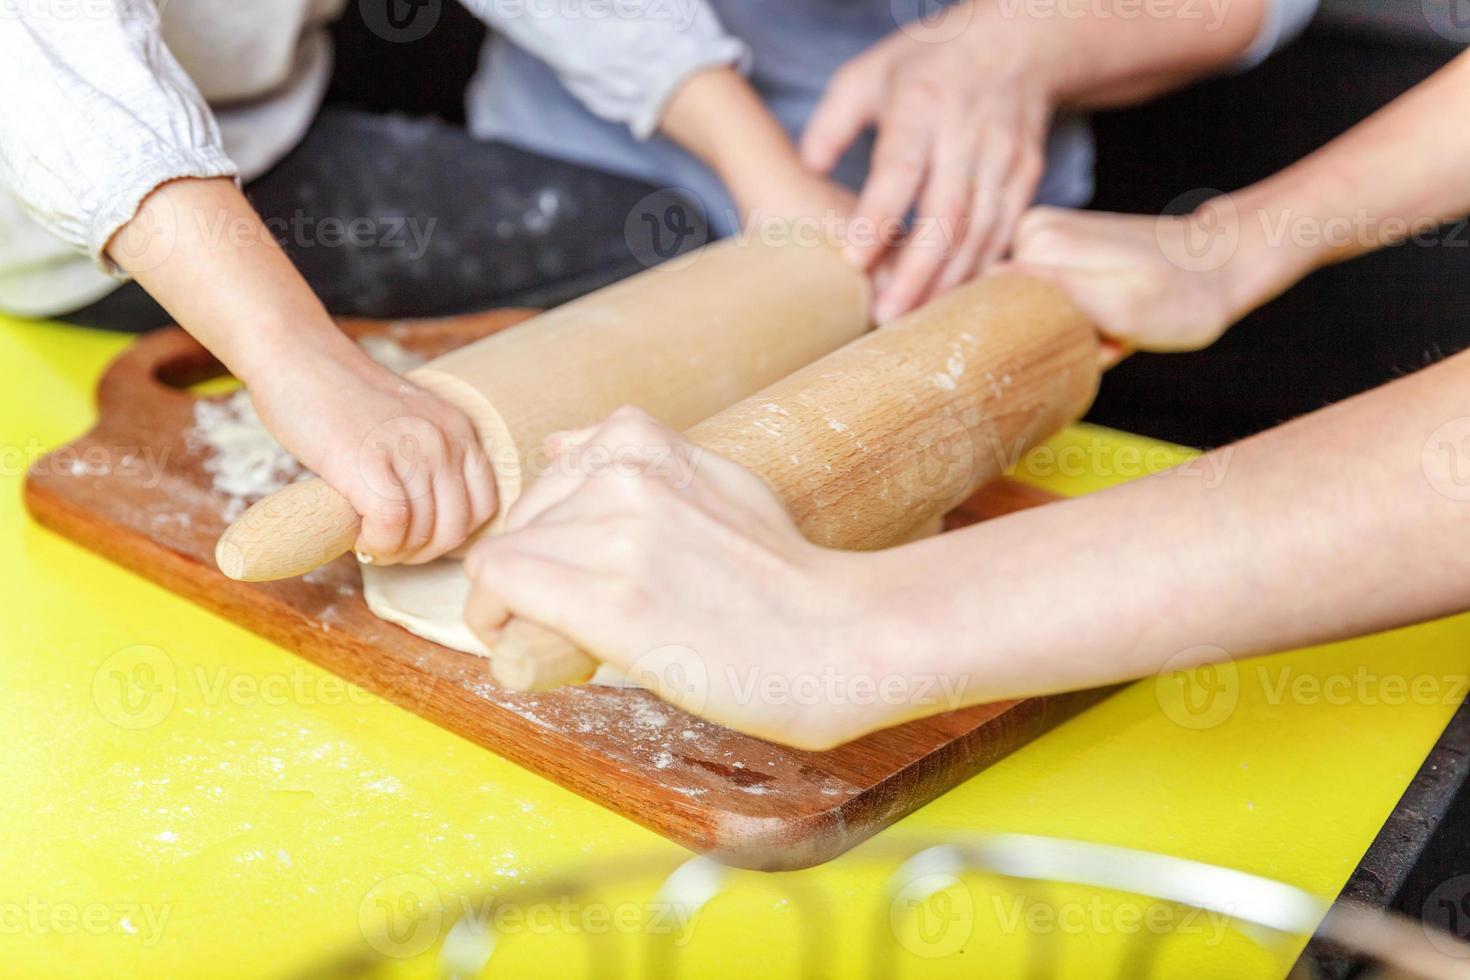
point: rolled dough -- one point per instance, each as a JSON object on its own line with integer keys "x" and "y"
{"x": 428, "y": 600}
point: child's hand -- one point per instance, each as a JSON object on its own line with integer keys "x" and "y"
{"x": 682, "y": 569}
{"x": 787, "y": 194}
{"x": 1159, "y": 284}
{"x": 409, "y": 463}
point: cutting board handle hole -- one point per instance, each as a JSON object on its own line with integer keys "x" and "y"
{"x": 199, "y": 376}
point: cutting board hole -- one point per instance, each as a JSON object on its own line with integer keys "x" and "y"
{"x": 199, "y": 376}
{"x": 225, "y": 384}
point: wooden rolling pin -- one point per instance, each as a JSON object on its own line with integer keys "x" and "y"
{"x": 683, "y": 341}
{"x": 894, "y": 429}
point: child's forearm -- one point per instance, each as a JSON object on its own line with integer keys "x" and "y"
{"x": 1346, "y": 522}
{"x": 407, "y": 462}
{"x": 198, "y": 247}
{"x": 719, "y": 118}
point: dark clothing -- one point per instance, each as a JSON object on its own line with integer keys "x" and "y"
{"x": 391, "y": 217}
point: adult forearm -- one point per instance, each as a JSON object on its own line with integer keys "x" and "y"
{"x": 1101, "y": 53}
{"x": 1397, "y": 174}
{"x": 1345, "y": 522}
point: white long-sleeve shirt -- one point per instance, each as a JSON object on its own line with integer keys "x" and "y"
{"x": 107, "y": 99}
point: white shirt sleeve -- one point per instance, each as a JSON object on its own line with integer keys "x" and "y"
{"x": 97, "y": 114}
{"x": 624, "y": 60}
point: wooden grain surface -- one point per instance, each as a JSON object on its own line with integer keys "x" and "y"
{"x": 753, "y": 803}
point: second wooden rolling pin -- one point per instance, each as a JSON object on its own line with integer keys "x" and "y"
{"x": 894, "y": 429}
{"x": 682, "y": 340}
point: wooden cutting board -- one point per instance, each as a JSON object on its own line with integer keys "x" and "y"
{"x": 753, "y": 803}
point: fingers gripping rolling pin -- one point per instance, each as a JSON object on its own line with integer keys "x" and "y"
{"x": 683, "y": 341}
{"x": 894, "y": 429}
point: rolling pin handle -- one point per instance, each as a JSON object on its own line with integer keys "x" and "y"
{"x": 530, "y": 657}
{"x": 288, "y": 533}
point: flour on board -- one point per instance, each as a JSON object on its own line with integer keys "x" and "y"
{"x": 244, "y": 460}
{"x": 244, "y": 463}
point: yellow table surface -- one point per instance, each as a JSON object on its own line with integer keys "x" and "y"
{"x": 183, "y": 798}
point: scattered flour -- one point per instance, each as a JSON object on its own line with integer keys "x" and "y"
{"x": 648, "y": 714}
{"x": 387, "y": 784}
{"x": 390, "y": 353}
{"x": 245, "y": 462}
{"x": 80, "y": 467}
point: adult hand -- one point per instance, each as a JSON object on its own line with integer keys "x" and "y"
{"x": 961, "y": 125}
{"x": 684, "y": 570}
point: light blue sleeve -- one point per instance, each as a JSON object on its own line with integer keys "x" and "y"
{"x": 623, "y": 60}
